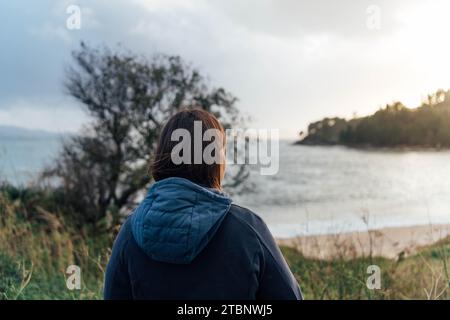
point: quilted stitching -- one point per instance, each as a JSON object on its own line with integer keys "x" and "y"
{"x": 177, "y": 219}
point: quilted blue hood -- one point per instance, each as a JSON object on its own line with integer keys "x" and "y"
{"x": 177, "y": 219}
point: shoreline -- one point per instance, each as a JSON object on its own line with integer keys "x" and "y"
{"x": 388, "y": 242}
{"x": 371, "y": 147}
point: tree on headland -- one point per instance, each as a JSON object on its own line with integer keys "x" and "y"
{"x": 128, "y": 99}
{"x": 391, "y": 126}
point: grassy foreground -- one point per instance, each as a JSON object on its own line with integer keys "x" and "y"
{"x": 34, "y": 255}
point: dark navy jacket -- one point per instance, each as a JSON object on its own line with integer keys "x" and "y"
{"x": 185, "y": 241}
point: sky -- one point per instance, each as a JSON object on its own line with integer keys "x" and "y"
{"x": 289, "y": 62}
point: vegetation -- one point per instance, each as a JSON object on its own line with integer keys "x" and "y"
{"x": 102, "y": 171}
{"x": 36, "y": 247}
{"x": 424, "y": 275}
{"x": 392, "y": 126}
{"x": 72, "y": 214}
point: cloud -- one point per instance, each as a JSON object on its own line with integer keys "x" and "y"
{"x": 289, "y": 62}
{"x": 59, "y": 115}
{"x": 293, "y": 18}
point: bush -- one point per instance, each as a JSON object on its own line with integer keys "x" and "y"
{"x": 36, "y": 249}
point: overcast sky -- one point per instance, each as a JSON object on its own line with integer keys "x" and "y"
{"x": 288, "y": 61}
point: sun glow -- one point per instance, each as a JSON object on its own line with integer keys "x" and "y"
{"x": 423, "y": 42}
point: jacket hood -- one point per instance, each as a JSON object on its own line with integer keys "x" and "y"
{"x": 177, "y": 219}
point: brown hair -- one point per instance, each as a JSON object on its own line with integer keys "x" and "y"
{"x": 209, "y": 175}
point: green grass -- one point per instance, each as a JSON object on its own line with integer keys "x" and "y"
{"x": 35, "y": 250}
{"x": 422, "y": 276}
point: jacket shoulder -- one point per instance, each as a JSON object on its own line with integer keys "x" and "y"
{"x": 248, "y": 218}
{"x": 123, "y": 238}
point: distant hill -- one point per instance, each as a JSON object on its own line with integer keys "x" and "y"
{"x": 11, "y": 132}
{"x": 392, "y": 126}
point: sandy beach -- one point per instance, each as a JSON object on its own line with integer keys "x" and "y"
{"x": 386, "y": 242}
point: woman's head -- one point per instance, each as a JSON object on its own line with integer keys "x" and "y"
{"x": 205, "y": 173}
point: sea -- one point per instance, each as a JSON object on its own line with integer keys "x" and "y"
{"x": 317, "y": 189}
